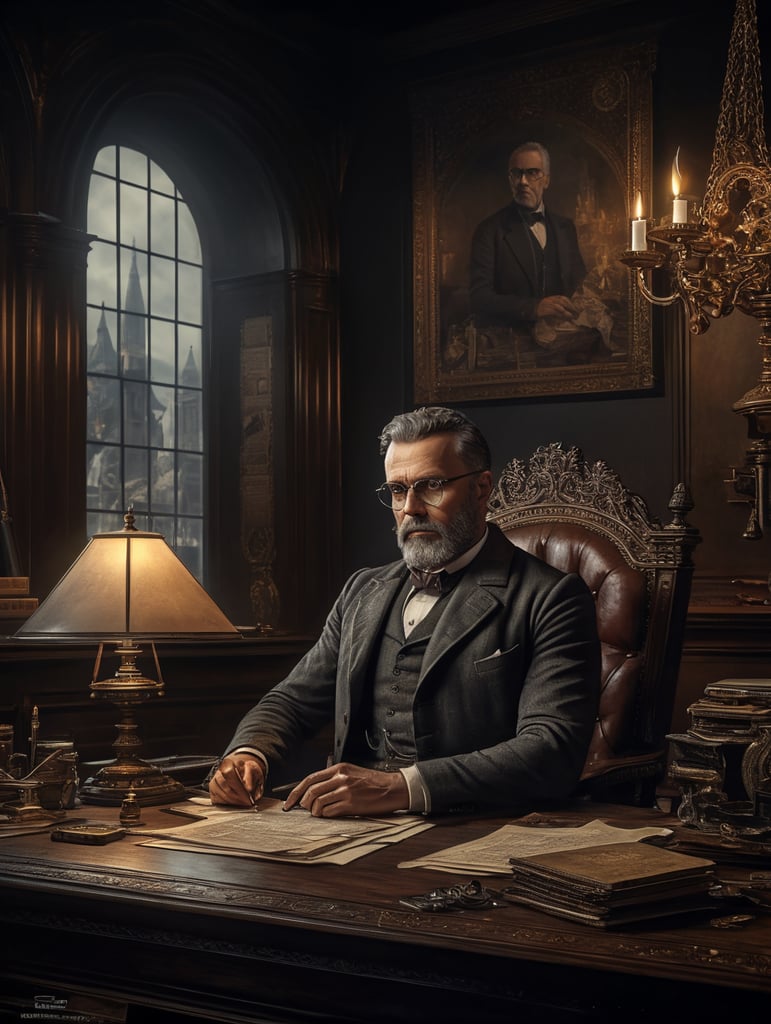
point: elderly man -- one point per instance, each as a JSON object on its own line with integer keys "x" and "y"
{"x": 462, "y": 677}
{"x": 525, "y": 259}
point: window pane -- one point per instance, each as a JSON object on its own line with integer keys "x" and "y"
{"x": 189, "y": 244}
{"x": 133, "y": 348}
{"x": 162, "y": 410}
{"x": 162, "y": 286}
{"x": 162, "y": 490}
{"x": 165, "y": 525}
{"x": 189, "y": 356}
{"x": 105, "y": 160}
{"x": 135, "y": 413}
{"x": 102, "y": 275}
{"x": 102, "y": 327}
{"x": 190, "y": 484}
{"x": 136, "y": 478}
{"x": 189, "y": 426}
{"x": 162, "y": 368}
{"x": 133, "y": 166}
{"x": 160, "y": 181}
{"x": 103, "y": 409}
{"x": 189, "y": 293}
{"x": 162, "y": 225}
{"x": 133, "y": 280}
{"x": 133, "y": 216}
{"x": 103, "y": 522}
{"x": 101, "y": 207}
{"x": 103, "y": 476}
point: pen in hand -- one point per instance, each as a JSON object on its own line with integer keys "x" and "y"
{"x": 252, "y": 800}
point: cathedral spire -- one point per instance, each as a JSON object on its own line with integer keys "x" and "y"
{"x": 134, "y": 332}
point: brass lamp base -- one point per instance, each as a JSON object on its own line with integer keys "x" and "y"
{"x": 111, "y": 784}
{"x": 127, "y": 689}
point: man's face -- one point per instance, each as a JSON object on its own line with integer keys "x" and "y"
{"x": 430, "y": 536}
{"x": 527, "y": 191}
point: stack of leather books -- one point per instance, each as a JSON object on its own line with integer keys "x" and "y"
{"x": 614, "y": 884}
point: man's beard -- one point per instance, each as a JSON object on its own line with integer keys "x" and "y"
{"x": 449, "y": 543}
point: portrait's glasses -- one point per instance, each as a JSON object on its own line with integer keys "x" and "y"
{"x": 531, "y": 173}
{"x": 429, "y": 491}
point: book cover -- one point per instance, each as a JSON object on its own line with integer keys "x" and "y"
{"x": 13, "y": 607}
{"x": 610, "y": 867}
{"x": 14, "y": 586}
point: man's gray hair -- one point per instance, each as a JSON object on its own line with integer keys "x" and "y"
{"x": 527, "y": 147}
{"x": 471, "y": 445}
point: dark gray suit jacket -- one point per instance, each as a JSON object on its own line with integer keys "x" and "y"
{"x": 504, "y": 284}
{"x": 508, "y": 690}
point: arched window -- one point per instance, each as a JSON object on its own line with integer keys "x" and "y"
{"x": 145, "y": 434}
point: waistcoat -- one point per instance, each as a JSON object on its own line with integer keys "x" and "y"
{"x": 549, "y": 271}
{"x": 388, "y": 721}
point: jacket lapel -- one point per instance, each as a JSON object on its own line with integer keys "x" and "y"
{"x": 474, "y": 599}
{"x": 522, "y": 249}
{"x": 366, "y": 625}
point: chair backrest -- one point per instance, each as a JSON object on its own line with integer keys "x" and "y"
{"x": 581, "y": 518}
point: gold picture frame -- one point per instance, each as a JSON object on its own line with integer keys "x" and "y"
{"x": 593, "y": 114}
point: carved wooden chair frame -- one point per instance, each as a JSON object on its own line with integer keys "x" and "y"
{"x": 580, "y": 517}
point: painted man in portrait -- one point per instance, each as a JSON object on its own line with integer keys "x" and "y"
{"x": 527, "y": 302}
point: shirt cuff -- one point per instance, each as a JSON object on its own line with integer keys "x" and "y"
{"x": 255, "y": 753}
{"x": 420, "y": 798}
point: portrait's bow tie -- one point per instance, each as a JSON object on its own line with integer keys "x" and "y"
{"x": 431, "y": 582}
{"x": 532, "y": 216}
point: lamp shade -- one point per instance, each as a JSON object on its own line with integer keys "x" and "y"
{"x": 127, "y": 583}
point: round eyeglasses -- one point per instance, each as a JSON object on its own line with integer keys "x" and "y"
{"x": 531, "y": 173}
{"x": 429, "y": 491}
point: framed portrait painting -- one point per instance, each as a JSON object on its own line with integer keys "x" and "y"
{"x": 592, "y": 115}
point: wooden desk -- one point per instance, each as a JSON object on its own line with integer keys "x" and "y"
{"x": 140, "y": 934}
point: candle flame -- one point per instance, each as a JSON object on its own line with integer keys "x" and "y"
{"x": 676, "y": 179}
{"x": 638, "y": 207}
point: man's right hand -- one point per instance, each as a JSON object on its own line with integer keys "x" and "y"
{"x": 556, "y": 307}
{"x": 239, "y": 780}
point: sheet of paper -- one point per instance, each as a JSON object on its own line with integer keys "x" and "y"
{"x": 490, "y": 854}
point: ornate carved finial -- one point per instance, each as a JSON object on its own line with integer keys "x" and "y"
{"x": 128, "y": 520}
{"x": 680, "y": 504}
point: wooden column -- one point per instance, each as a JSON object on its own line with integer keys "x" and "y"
{"x": 43, "y": 388}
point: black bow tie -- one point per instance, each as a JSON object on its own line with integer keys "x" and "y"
{"x": 532, "y": 216}
{"x": 431, "y": 582}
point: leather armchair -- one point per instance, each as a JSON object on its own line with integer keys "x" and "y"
{"x": 580, "y": 518}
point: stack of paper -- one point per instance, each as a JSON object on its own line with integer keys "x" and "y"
{"x": 289, "y": 836}
{"x": 612, "y": 884}
{"x": 491, "y": 854}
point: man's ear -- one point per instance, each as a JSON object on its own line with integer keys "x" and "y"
{"x": 485, "y": 484}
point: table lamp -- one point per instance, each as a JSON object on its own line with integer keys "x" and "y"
{"x": 128, "y": 587}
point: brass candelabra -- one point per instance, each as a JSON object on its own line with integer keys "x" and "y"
{"x": 720, "y": 259}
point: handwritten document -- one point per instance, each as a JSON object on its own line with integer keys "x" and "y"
{"x": 490, "y": 854}
{"x": 274, "y": 834}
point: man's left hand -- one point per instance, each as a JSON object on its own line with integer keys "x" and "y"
{"x": 346, "y": 789}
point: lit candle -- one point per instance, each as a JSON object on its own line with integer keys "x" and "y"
{"x": 679, "y": 206}
{"x": 639, "y": 228}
